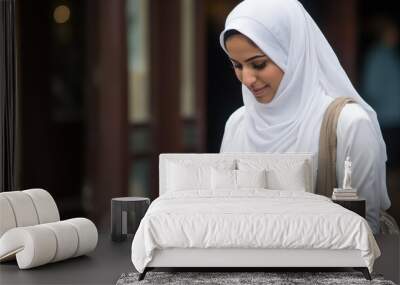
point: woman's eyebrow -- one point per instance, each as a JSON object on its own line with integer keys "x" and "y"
{"x": 254, "y": 57}
{"x": 250, "y": 58}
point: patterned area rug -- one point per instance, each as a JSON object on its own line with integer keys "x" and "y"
{"x": 229, "y": 278}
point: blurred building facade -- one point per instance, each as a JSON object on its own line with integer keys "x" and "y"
{"x": 106, "y": 86}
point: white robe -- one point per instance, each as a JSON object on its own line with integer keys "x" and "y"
{"x": 355, "y": 138}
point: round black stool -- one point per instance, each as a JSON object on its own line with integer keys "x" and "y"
{"x": 126, "y": 214}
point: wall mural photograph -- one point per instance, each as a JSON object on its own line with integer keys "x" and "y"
{"x": 199, "y": 141}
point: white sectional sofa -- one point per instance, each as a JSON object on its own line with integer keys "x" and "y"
{"x": 31, "y": 231}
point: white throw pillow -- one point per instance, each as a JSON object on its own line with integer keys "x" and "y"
{"x": 193, "y": 174}
{"x": 251, "y": 178}
{"x": 227, "y": 179}
{"x": 290, "y": 179}
{"x": 223, "y": 179}
{"x": 188, "y": 177}
{"x": 282, "y": 174}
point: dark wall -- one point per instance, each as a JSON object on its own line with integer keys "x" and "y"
{"x": 51, "y": 108}
{"x": 223, "y": 90}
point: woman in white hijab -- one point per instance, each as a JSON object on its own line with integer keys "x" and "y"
{"x": 290, "y": 75}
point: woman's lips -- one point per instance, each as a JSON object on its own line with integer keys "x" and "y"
{"x": 259, "y": 91}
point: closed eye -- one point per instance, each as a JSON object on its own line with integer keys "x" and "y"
{"x": 259, "y": 66}
{"x": 254, "y": 65}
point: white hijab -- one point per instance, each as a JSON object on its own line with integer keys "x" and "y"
{"x": 313, "y": 76}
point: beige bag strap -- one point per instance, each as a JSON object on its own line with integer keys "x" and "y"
{"x": 326, "y": 175}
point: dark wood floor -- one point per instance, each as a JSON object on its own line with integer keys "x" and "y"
{"x": 103, "y": 266}
{"x": 110, "y": 259}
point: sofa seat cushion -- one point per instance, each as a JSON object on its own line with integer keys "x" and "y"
{"x": 41, "y": 244}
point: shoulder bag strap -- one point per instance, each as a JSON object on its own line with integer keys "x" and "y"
{"x": 326, "y": 174}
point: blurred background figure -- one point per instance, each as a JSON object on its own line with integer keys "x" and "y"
{"x": 381, "y": 84}
{"x": 380, "y": 87}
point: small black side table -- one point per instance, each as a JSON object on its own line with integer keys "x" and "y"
{"x": 356, "y": 205}
{"x": 126, "y": 214}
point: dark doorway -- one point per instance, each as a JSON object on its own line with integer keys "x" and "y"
{"x": 223, "y": 91}
{"x": 51, "y": 105}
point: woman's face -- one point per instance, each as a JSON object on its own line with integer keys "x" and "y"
{"x": 254, "y": 68}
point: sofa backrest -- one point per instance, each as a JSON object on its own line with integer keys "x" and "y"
{"x": 280, "y": 163}
{"x": 26, "y": 208}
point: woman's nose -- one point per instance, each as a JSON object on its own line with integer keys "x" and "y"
{"x": 248, "y": 77}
